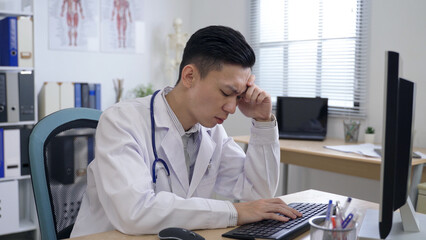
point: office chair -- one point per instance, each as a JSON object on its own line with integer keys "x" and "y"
{"x": 58, "y": 177}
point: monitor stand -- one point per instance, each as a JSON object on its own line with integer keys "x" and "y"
{"x": 414, "y": 224}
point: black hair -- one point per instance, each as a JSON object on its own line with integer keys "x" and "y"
{"x": 211, "y": 47}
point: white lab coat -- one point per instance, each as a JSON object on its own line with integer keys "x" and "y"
{"x": 121, "y": 194}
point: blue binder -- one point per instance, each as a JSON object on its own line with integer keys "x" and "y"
{"x": 1, "y": 154}
{"x": 77, "y": 95}
{"x": 8, "y": 42}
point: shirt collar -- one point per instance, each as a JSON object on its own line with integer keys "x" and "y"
{"x": 175, "y": 120}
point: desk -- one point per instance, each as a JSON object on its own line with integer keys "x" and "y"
{"x": 312, "y": 154}
{"x": 214, "y": 234}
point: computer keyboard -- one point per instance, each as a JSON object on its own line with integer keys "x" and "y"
{"x": 272, "y": 229}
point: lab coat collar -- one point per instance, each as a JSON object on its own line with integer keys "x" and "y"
{"x": 171, "y": 143}
{"x": 203, "y": 161}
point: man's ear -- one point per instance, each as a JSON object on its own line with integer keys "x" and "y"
{"x": 189, "y": 75}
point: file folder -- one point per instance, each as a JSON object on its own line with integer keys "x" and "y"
{"x": 85, "y": 95}
{"x": 25, "y": 42}
{"x": 25, "y": 162}
{"x": 66, "y": 94}
{"x": 61, "y": 159}
{"x": 8, "y": 42}
{"x": 9, "y": 196}
{"x": 3, "y": 106}
{"x": 1, "y": 154}
{"x": 98, "y": 95}
{"x": 12, "y": 92}
{"x": 26, "y": 96}
{"x": 12, "y": 152}
{"x": 92, "y": 96}
{"x": 77, "y": 94}
{"x": 48, "y": 99}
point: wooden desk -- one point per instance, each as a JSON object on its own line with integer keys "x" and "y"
{"x": 312, "y": 154}
{"x": 214, "y": 234}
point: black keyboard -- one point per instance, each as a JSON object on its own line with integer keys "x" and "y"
{"x": 273, "y": 229}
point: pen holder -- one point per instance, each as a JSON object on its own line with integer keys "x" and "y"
{"x": 321, "y": 232}
{"x": 351, "y": 130}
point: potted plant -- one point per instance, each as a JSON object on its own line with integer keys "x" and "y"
{"x": 369, "y": 135}
{"x": 142, "y": 90}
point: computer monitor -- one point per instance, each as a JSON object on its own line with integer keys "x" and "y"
{"x": 396, "y": 164}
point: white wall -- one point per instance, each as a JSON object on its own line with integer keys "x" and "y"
{"x": 100, "y": 67}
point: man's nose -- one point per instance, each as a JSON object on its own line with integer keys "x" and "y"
{"x": 230, "y": 106}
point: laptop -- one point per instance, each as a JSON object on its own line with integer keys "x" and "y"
{"x": 302, "y": 118}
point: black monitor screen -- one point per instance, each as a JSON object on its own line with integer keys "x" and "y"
{"x": 298, "y": 114}
{"x": 397, "y": 143}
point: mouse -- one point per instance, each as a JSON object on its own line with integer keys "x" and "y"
{"x": 176, "y": 233}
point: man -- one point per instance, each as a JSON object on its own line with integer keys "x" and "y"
{"x": 130, "y": 191}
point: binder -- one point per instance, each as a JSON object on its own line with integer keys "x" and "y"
{"x": 61, "y": 160}
{"x": 80, "y": 155}
{"x": 12, "y": 93}
{"x": 25, "y": 162}
{"x": 8, "y": 42}
{"x": 66, "y": 95}
{"x": 12, "y": 152}
{"x": 1, "y": 154}
{"x": 3, "y": 106}
{"x": 77, "y": 94}
{"x": 92, "y": 97}
{"x": 48, "y": 99}
{"x": 90, "y": 149}
{"x": 85, "y": 95}
{"x": 26, "y": 96}
{"x": 98, "y": 96}
{"x": 9, "y": 196}
{"x": 25, "y": 41}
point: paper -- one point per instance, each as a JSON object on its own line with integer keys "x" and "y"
{"x": 366, "y": 149}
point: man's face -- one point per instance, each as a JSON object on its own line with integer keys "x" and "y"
{"x": 216, "y": 96}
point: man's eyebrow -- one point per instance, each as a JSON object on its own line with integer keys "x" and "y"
{"x": 235, "y": 91}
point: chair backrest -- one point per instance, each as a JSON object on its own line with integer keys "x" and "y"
{"x": 58, "y": 177}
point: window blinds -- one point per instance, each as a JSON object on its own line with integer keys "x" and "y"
{"x": 312, "y": 48}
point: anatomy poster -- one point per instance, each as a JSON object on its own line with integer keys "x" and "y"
{"x": 122, "y": 28}
{"x": 74, "y": 25}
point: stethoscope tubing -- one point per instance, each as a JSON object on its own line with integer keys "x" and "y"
{"x": 154, "y": 149}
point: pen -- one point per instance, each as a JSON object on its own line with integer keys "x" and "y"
{"x": 327, "y": 216}
{"x": 354, "y": 219}
{"x": 349, "y": 218}
{"x": 346, "y": 205}
{"x": 339, "y": 217}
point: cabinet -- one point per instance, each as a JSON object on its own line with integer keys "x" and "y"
{"x": 18, "y": 215}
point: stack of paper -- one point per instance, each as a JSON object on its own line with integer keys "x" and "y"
{"x": 366, "y": 149}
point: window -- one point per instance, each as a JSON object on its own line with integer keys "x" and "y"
{"x": 312, "y": 48}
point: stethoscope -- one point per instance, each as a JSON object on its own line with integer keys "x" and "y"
{"x": 154, "y": 149}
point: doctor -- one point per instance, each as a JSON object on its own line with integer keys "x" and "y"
{"x": 159, "y": 159}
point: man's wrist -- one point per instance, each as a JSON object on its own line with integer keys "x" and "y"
{"x": 270, "y": 119}
{"x": 272, "y": 122}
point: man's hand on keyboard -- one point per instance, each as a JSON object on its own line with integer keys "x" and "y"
{"x": 258, "y": 210}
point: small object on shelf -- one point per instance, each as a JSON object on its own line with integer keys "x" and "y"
{"x": 369, "y": 135}
{"x": 351, "y": 130}
{"x": 118, "y": 88}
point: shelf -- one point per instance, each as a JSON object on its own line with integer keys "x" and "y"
{"x": 15, "y": 178}
{"x": 14, "y": 13}
{"x": 5, "y": 124}
{"x": 26, "y": 225}
{"x": 8, "y": 68}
